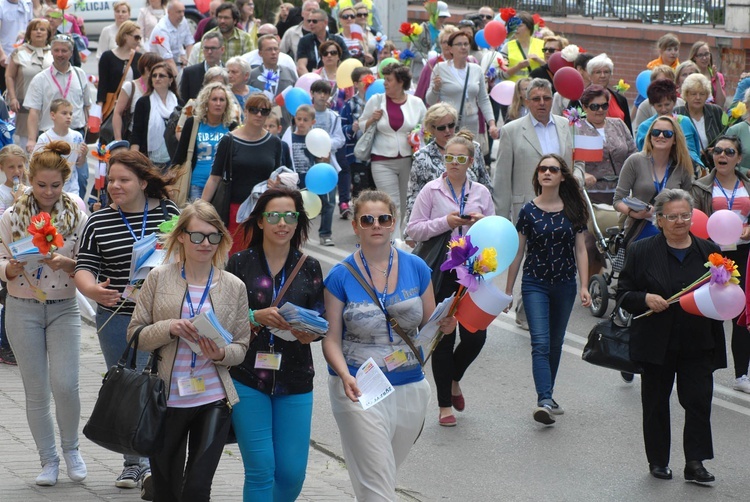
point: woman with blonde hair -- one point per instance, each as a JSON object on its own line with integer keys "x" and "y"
{"x": 107, "y": 37}
{"x": 706, "y": 117}
{"x": 43, "y": 321}
{"x": 194, "y": 285}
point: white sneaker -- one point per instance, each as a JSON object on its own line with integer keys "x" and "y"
{"x": 48, "y": 477}
{"x": 76, "y": 467}
{"x": 742, "y": 384}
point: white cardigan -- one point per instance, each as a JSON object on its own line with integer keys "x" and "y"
{"x": 390, "y": 143}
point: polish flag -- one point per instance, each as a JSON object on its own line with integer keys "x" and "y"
{"x": 356, "y": 32}
{"x": 589, "y": 148}
{"x": 280, "y": 98}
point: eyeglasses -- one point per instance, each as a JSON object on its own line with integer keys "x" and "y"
{"x": 674, "y": 217}
{"x": 544, "y": 169}
{"x": 655, "y": 133}
{"x": 159, "y": 75}
{"x": 313, "y": 21}
{"x": 549, "y": 50}
{"x": 362, "y": 14}
{"x": 254, "y": 110}
{"x": 539, "y": 99}
{"x": 210, "y": 49}
{"x": 348, "y": 16}
{"x": 331, "y": 53}
{"x": 729, "y": 152}
{"x": 703, "y": 55}
{"x": 465, "y": 44}
{"x": 274, "y": 217}
{"x": 458, "y": 159}
{"x": 442, "y": 128}
{"x": 595, "y": 107}
{"x": 199, "y": 237}
{"x": 368, "y": 221}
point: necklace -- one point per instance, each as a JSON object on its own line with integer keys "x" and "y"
{"x": 384, "y": 272}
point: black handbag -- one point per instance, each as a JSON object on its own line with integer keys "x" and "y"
{"x": 609, "y": 345}
{"x": 433, "y": 252}
{"x": 130, "y": 412}
{"x": 222, "y": 195}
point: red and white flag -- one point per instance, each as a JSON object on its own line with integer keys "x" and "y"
{"x": 357, "y": 33}
{"x": 589, "y": 148}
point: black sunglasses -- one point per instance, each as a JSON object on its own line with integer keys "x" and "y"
{"x": 442, "y": 128}
{"x": 254, "y": 110}
{"x": 199, "y": 237}
{"x": 595, "y": 107}
{"x": 655, "y": 133}
{"x": 331, "y": 53}
{"x": 544, "y": 169}
{"x": 729, "y": 152}
{"x": 348, "y": 16}
{"x": 368, "y": 221}
{"x": 487, "y": 16}
{"x": 313, "y": 21}
{"x": 362, "y": 14}
{"x": 549, "y": 50}
{"x": 137, "y": 37}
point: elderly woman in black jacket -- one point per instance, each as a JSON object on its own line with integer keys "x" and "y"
{"x": 671, "y": 341}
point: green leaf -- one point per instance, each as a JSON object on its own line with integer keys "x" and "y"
{"x": 724, "y": 118}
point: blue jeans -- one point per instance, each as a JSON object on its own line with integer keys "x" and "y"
{"x": 273, "y": 433}
{"x": 83, "y": 180}
{"x": 345, "y": 177}
{"x": 195, "y": 192}
{"x": 548, "y": 308}
{"x": 326, "y": 214}
{"x": 113, "y": 340}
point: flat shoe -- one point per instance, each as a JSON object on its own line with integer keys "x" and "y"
{"x": 660, "y": 472}
{"x": 447, "y": 421}
{"x": 458, "y": 402}
{"x": 695, "y": 472}
{"x": 543, "y": 415}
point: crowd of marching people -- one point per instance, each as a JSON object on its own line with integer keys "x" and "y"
{"x": 223, "y": 144}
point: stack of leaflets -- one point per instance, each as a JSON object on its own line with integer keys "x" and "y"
{"x": 209, "y": 327}
{"x": 636, "y": 204}
{"x": 146, "y": 255}
{"x": 300, "y": 319}
{"x": 23, "y": 250}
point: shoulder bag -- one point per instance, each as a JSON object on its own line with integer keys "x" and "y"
{"x": 129, "y": 414}
{"x": 179, "y": 189}
{"x": 287, "y": 283}
{"x": 363, "y": 148}
{"x": 222, "y": 195}
{"x": 609, "y": 345}
{"x": 107, "y": 129}
{"x": 433, "y": 252}
{"x": 463, "y": 100}
{"x": 109, "y": 102}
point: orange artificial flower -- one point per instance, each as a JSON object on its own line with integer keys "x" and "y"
{"x": 45, "y": 234}
{"x": 716, "y": 259}
{"x": 62, "y": 4}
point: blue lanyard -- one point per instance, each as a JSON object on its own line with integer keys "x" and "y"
{"x": 730, "y": 202}
{"x": 200, "y": 305}
{"x": 143, "y": 225}
{"x": 461, "y": 203}
{"x": 275, "y": 293}
{"x": 660, "y": 186}
{"x": 385, "y": 290}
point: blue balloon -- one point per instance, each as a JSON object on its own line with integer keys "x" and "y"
{"x": 499, "y": 233}
{"x": 295, "y": 98}
{"x": 481, "y": 42}
{"x": 321, "y": 178}
{"x": 377, "y": 87}
{"x": 642, "y": 81}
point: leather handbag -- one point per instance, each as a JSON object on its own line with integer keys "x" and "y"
{"x": 222, "y": 195}
{"x": 107, "y": 129}
{"x": 609, "y": 345}
{"x": 179, "y": 189}
{"x": 433, "y": 252}
{"x": 111, "y": 98}
{"x": 363, "y": 148}
{"x": 129, "y": 414}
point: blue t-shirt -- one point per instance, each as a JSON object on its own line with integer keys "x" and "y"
{"x": 550, "y": 244}
{"x": 206, "y": 142}
{"x": 365, "y": 329}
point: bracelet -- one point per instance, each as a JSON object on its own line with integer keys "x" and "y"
{"x": 251, "y": 316}
{"x": 630, "y": 210}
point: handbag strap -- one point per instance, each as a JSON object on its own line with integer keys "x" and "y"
{"x": 122, "y": 79}
{"x": 288, "y": 282}
{"x": 191, "y": 144}
{"x": 617, "y": 306}
{"x": 463, "y": 98}
{"x": 393, "y": 322}
{"x": 133, "y": 342}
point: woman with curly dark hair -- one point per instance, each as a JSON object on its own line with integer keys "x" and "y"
{"x": 550, "y": 230}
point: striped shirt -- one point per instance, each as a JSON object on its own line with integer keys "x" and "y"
{"x": 204, "y": 367}
{"x": 107, "y": 246}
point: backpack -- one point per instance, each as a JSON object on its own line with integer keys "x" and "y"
{"x": 170, "y": 136}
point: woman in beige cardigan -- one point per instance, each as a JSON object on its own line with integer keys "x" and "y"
{"x": 200, "y": 393}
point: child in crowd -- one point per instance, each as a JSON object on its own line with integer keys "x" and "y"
{"x": 360, "y": 173}
{"x": 274, "y": 126}
{"x": 61, "y": 112}
{"x": 329, "y": 121}
{"x": 13, "y": 164}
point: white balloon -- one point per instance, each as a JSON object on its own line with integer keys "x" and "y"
{"x": 318, "y": 143}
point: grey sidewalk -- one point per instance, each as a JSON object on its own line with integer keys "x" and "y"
{"x": 327, "y": 478}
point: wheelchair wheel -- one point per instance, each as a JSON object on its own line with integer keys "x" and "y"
{"x": 599, "y": 295}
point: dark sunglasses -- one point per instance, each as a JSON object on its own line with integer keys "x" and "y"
{"x": 442, "y": 128}
{"x": 254, "y": 110}
{"x": 274, "y": 217}
{"x": 137, "y": 37}
{"x": 348, "y": 16}
{"x": 331, "y": 53}
{"x": 544, "y": 169}
{"x": 487, "y": 16}
{"x": 549, "y": 50}
{"x": 595, "y": 107}
{"x": 729, "y": 152}
{"x": 199, "y": 237}
{"x": 655, "y": 133}
{"x": 368, "y": 221}
{"x": 313, "y": 21}
{"x": 362, "y": 14}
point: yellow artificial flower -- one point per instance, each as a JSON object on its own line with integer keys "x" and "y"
{"x": 486, "y": 262}
{"x": 417, "y": 28}
{"x": 457, "y": 242}
{"x": 739, "y": 110}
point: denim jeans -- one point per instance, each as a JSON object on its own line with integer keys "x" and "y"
{"x": 548, "y": 308}
{"x": 46, "y": 339}
{"x": 326, "y": 214}
{"x": 83, "y": 180}
{"x": 195, "y": 192}
{"x": 345, "y": 177}
{"x": 273, "y": 433}
{"x": 113, "y": 340}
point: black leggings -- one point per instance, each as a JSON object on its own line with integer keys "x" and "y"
{"x": 740, "y": 334}
{"x": 204, "y": 431}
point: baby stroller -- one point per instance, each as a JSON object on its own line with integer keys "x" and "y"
{"x": 611, "y": 244}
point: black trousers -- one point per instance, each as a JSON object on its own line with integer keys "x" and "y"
{"x": 203, "y": 430}
{"x": 740, "y": 335}
{"x": 695, "y": 384}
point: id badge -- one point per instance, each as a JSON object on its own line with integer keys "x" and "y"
{"x": 268, "y": 361}
{"x": 39, "y": 295}
{"x": 729, "y": 247}
{"x": 189, "y": 386}
{"x": 395, "y": 359}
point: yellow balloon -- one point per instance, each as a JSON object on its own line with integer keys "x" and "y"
{"x": 312, "y": 203}
{"x": 344, "y": 73}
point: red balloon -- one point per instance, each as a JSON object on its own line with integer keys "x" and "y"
{"x": 568, "y": 83}
{"x": 495, "y": 33}
{"x": 202, "y": 5}
{"x": 556, "y": 61}
{"x": 699, "y": 225}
